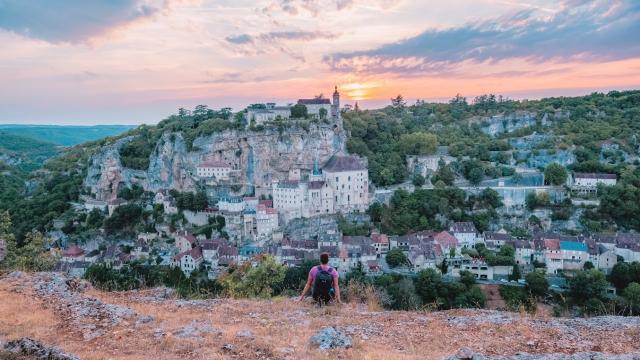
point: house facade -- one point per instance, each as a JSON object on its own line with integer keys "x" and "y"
{"x": 219, "y": 170}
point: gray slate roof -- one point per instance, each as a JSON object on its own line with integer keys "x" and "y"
{"x": 344, "y": 163}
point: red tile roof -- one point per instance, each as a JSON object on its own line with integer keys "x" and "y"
{"x": 552, "y": 244}
{"x": 446, "y": 240}
{"x": 73, "y": 251}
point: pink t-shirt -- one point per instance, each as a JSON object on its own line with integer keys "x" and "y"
{"x": 314, "y": 270}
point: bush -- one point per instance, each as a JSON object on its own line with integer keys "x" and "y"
{"x": 537, "y": 284}
{"x": 262, "y": 280}
{"x": 396, "y": 257}
{"x": 517, "y": 298}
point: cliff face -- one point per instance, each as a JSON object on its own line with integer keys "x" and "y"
{"x": 258, "y": 157}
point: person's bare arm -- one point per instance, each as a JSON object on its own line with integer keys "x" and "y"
{"x": 336, "y": 287}
{"x": 307, "y": 286}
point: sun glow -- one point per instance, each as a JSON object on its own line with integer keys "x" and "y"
{"x": 359, "y": 91}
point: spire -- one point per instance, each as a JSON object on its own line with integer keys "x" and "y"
{"x": 336, "y": 91}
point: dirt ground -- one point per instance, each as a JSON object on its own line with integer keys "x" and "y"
{"x": 169, "y": 328}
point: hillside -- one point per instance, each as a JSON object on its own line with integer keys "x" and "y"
{"x": 65, "y": 135}
{"x": 25, "y": 152}
{"x": 69, "y": 314}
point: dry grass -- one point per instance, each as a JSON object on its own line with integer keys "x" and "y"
{"x": 282, "y": 328}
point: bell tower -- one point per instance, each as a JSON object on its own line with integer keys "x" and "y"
{"x": 335, "y": 107}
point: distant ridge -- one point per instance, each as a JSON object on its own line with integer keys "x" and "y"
{"x": 65, "y": 135}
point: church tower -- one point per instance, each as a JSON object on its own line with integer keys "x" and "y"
{"x": 335, "y": 107}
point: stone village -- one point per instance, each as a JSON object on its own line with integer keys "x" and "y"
{"x": 289, "y": 199}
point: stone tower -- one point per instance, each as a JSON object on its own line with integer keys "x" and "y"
{"x": 335, "y": 107}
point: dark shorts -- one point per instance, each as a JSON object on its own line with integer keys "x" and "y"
{"x": 324, "y": 299}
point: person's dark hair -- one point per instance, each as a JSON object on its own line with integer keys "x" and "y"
{"x": 324, "y": 258}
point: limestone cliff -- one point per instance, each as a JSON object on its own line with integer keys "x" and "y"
{"x": 258, "y": 157}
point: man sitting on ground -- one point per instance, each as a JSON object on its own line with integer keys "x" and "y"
{"x": 323, "y": 280}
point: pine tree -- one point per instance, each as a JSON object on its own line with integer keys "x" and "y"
{"x": 515, "y": 273}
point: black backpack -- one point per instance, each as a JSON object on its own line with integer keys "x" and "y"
{"x": 323, "y": 283}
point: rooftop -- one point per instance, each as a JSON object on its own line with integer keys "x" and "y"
{"x": 598, "y": 176}
{"x": 316, "y": 101}
{"x": 573, "y": 246}
{"x": 464, "y": 227}
{"x": 344, "y": 163}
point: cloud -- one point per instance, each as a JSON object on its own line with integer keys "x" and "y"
{"x": 237, "y": 78}
{"x": 73, "y": 21}
{"x": 588, "y": 31}
{"x": 315, "y": 7}
{"x": 278, "y": 36}
{"x": 271, "y": 42}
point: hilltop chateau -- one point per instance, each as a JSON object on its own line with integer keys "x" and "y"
{"x": 317, "y": 108}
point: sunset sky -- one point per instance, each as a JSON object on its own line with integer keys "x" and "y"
{"x": 137, "y": 61}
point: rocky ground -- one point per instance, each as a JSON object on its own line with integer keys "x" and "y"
{"x": 68, "y": 318}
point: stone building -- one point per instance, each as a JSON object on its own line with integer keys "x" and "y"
{"x": 213, "y": 168}
{"x": 347, "y": 176}
{"x": 342, "y": 185}
{"x": 271, "y": 112}
{"x": 588, "y": 182}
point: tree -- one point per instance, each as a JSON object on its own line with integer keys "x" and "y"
{"x": 632, "y": 295}
{"x": 624, "y": 273}
{"x": 396, "y": 257}
{"x": 444, "y": 174}
{"x": 467, "y": 278}
{"x": 428, "y": 285}
{"x": 200, "y": 201}
{"x": 587, "y": 284}
{"x": 515, "y": 273}
{"x": 531, "y": 201}
{"x": 254, "y": 281}
{"x": 7, "y": 241}
{"x": 123, "y": 218}
{"x": 403, "y": 295}
{"x": 418, "y": 180}
{"x": 489, "y": 198}
{"x": 418, "y": 143}
{"x": 555, "y": 174}
{"x": 398, "y": 102}
{"x": 299, "y": 111}
{"x": 322, "y": 113}
{"x": 537, "y": 283}
{"x": 33, "y": 256}
{"x": 476, "y": 175}
{"x": 260, "y": 280}
{"x": 95, "y": 218}
{"x": 375, "y": 212}
{"x": 296, "y": 276}
{"x": 588, "y": 265}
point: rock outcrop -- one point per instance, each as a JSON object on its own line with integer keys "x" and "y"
{"x": 330, "y": 338}
{"x": 258, "y": 157}
{"x": 87, "y": 315}
{"x": 30, "y": 349}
